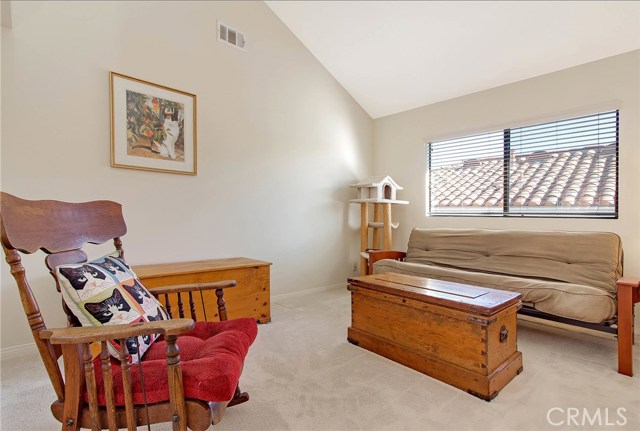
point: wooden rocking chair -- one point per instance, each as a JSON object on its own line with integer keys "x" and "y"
{"x": 102, "y": 392}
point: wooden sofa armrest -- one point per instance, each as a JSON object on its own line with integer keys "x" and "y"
{"x": 629, "y": 281}
{"x": 628, "y": 295}
{"x": 90, "y": 334}
{"x": 376, "y": 255}
{"x": 629, "y": 287}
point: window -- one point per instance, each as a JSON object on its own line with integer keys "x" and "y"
{"x": 566, "y": 168}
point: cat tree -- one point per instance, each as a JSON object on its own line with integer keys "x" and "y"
{"x": 381, "y": 192}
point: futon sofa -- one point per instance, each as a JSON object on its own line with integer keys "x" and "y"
{"x": 572, "y": 277}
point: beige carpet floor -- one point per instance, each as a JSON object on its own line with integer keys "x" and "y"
{"x": 303, "y": 375}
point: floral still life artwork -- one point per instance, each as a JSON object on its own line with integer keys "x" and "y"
{"x": 152, "y": 127}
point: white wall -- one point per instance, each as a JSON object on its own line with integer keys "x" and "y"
{"x": 399, "y": 143}
{"x": 279, "y": 139}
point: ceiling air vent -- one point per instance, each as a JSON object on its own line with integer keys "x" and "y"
{"x": 231, "y": 36}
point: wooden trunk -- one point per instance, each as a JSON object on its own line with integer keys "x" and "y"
{"x": 462, "y": 335}
{"x": 251, "y": 297}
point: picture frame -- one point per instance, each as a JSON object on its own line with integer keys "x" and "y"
{"x": 153, "y": 127}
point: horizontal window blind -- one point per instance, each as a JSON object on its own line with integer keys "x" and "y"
{"x": 565, "y": 168}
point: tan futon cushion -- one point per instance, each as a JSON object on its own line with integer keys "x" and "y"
{"x": 575, "y": 301}
{"x": 584, "y": 258}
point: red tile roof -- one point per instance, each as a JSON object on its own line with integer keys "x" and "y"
{"x": 584, "y": 177}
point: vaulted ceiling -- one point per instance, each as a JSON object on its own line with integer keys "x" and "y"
{"x": 392, "y": 56}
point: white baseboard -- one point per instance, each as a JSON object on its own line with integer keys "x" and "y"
{"x": 312, "y": 290}
{"x": 20, "y": 351}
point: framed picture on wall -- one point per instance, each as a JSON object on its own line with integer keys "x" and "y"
{"x": 153, "y": 127}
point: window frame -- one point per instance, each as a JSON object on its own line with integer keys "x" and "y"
{"x": 506, "y": 177}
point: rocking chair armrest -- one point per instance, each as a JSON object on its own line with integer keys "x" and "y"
{"x": 193, "y": 287}
{"x": 86, "y": 334}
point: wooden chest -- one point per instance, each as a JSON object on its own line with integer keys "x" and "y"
{"x": 251, "y": 297}
{"x": 462, "y": 335}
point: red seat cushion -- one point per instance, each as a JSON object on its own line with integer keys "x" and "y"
{"x": 211, "y": 357}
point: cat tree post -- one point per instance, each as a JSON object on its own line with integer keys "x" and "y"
{"x": 381, "y": 192}
{"x": 364, "y": 235}
{"x": 377, "y": 218}
{"x": 386, "y": 225}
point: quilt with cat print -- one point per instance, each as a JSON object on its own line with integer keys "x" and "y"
{"x": 106, "y": 291}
